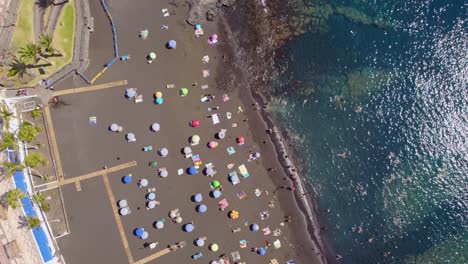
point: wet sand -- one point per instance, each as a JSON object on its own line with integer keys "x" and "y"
{"x": 85, "y": 148}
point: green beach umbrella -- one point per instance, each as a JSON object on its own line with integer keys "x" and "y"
{"x": 153, "y": 164}
{"x": 184, "y": 91}
{"x": 215, "y": 184}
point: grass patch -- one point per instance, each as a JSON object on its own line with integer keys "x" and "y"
{"x": 24, "y": 32}
{"x": 64, "y": 38}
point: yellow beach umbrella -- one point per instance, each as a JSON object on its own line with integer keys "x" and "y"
{"x": 214, "y": 247}
{"x": 158, "y": 94}
{"x": 234, "y": 214}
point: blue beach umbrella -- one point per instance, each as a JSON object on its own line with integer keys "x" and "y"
{"x": 197, "y": 26}
{"x": 216, "y": 193}
{"x": 188, "y": 228}
{"x": 139, "y": 232}
{"x": 198, "y": 197}
{"x": 261, "y": 251}
{"x": 158, "y": 100}
{"x": 172, "y": 44}
{"x": 254, "y": 227}
{"x": 192, "y": 170}
{"x": 151, "y": 196}
{"x": 202, "y": 208}
{"x": 127, "y": 179}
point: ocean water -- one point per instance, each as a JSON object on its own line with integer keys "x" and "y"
{"x": 375, "y": 95}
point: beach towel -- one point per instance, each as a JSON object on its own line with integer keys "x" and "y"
{"x": 170, "y": 86}
{"x": 241, "y": 194}
{"x": 233, "y": 178}
{"x": 223, "y": 204}
{"x": 205, "y": 86}
{"x": 92, "y": 120}
{"x": 243, "y": 243}
{"x": 206, "y": 73}
{"x": 235, "y": 256}
{"x": 273, "y": 261}
{"x": 215, "y": 119}
{"x": 266, "y": 231}
{"x": 231, "y": 150}
{"x": 243, "y": 171}
{"x": 196, "y": 160}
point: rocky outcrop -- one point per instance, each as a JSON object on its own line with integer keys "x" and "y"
{"x": 205, "y": 10}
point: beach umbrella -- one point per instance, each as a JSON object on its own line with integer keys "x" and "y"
{"x": 158, "y": 94}
{"x": 209, "y": 171}
{"x": 195, "y": 123}
{"x": 127, "y": 179}
{"x": 240, "y": 140}
{"x": 212, "y": 144}
{"x": 114, "y": 127}
{"x": 192, "y": 170}
{"x": 198, "y": 197}
{"x": 152, "y": 55}
{"x": 214, "y": 36}
{"x": 123, "y": 211}
{"x": 151, "y": 204}
{"x": 187, "y": 150}
{"x": 261, "y": 251}
{"x": 197, "y": 26}
{"x": 221, "y": 134}
{"x": 130, "y": 137}
{"x": 195, "y": 139}
{"x": 159, "y": 225}
{"x": 234, "y": 214}
{"x": 199, "y": 242}
{"x": 153, "y": 164}
{"x": 172, "y": 44}
{"x": 214, "y": 247}
{"x": 139, "y": 231}
{"x": 123, "y": 203}
{"x": 143, "y": 182}
{"x": 155, "y": 127}
{"x": 163, "y": 152}
{"x": 257, "y": 154}
{"x": 163, "y": 173}
{"x": 178, "y": 219}
{"x": 184, "y": 91}
{"x": 159, "y": 100}
{"x": 254, "y": 227}
{"x": 214, "y": 262}
{"x": 144, "y": 235}
{"x": 151, "y": 196}
{"x": 215, "y": 184}
{"x": 130, "y": 93}
{"x": 202, "y": 208}
{"x": 216, "y": 193}
{"x": 188, "y": 228}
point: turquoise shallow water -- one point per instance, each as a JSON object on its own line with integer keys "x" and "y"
{"x": 375, "y": 94}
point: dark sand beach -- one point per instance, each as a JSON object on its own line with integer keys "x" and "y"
{"x": 86, "y": 147}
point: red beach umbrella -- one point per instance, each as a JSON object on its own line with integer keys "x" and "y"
{"x": 195, "y": 123}
{"x": 241, "y": 140}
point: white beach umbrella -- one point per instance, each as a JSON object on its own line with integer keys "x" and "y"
{"x": 152, "y": 55}
{"x": 164, "y": 152}
{"x": 123, "y": 211}
{"x": 145, "y": 235}
{"x": 114, "y": 127}
{"x": 123, "y": 203}
{"x": 163, "y": 173}
{"x": 131, "y": 137}
{"x": 151, "y": 204}
{"x": 159, "y": 225}
{"x": 155, "y": 127}
{"x": 187, "y": 150}
{"x": 143, "y": 182}
{"x": 178, "y": 219}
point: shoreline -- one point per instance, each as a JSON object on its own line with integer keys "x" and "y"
{"x": 303, "y": 200}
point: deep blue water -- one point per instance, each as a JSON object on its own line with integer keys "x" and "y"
{"x": 379, "y": 114}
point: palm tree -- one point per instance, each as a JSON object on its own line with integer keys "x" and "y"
{"x": 40, "y": 200}
{"x": 6, "y": 115}
{"x": 32, "y": 222}
{"x": 32, "y": 52}
{"x": 11, "y": 168}
{"x": 8, "y": 142}
{"x": 18, "y": 67}
{"x": 45, "y": 42}
{"x": 13, "y": 197}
